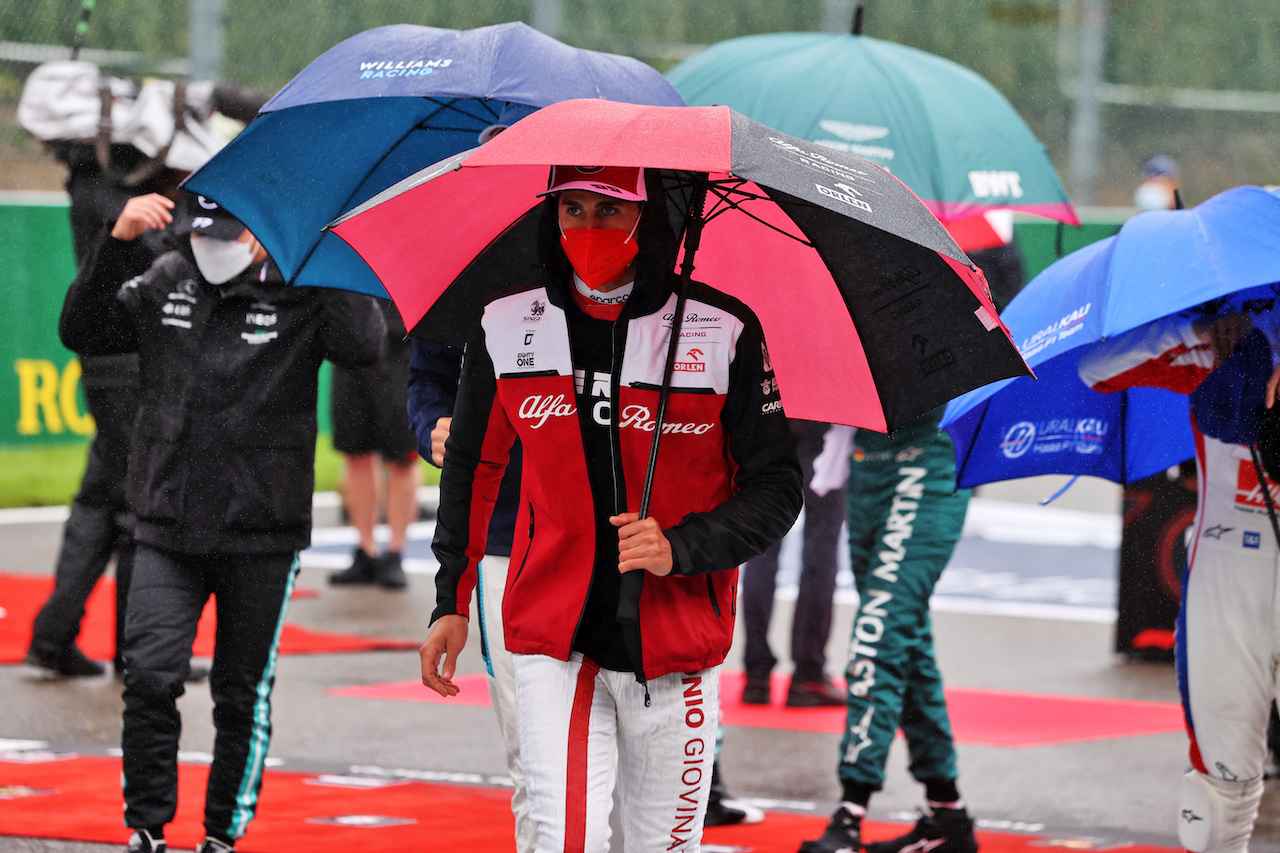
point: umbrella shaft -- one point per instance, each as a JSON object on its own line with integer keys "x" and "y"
{"x": 692, "y": 239}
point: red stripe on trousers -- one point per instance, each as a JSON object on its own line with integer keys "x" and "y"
{"x": 575, "y": 800}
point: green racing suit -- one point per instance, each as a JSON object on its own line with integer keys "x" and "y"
{"x": 905, "y": 518}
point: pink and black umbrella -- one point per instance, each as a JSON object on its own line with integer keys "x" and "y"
{"x": 873, "y": 314}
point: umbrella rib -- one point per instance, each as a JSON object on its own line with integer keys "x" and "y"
{"x": 440, "y": 108}
{"x": 451, "y": 105}
{"x": 722, "y": 192}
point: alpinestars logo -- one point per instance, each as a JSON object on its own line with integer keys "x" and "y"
{"x": 859, "y": 737}
{"x": 1189, "y": 816}
{"x": 924, "y": 845}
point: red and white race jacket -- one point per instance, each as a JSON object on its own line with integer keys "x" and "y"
{"x": 727, "y": 483}
{"x": 1167, "y": 353}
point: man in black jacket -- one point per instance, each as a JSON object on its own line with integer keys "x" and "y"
{"x": 100, "y": 523}
{"x": 221, "y": 472}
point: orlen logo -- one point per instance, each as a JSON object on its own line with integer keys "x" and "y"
{"x": 538, "y": 408}
{"x": 1018, "y": 439}
{"x": 639, "y": 417}
{"x": 1247, "y": 491}
{"x": 694, "y": 366}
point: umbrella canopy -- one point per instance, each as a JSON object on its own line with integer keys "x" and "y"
{"x": 940, "y": 128}
{"x": 378, "y": 107}
{"x": 1159, "y": 264}
{"x": 873, "y": 314}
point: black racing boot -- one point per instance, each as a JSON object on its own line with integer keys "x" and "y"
{"x": 388, "y": 572}
{"x": 756, "y": 688}
{"x": 941, "y": 831}
{"x": 70, "y": 663}
{"x": 214, "y": 845}
{"x": 814, "y": 694}
{"x": 363, "y": 570}
{"x": 842, "y": 835}
{"x": 146, "y": 841}
{"x": 722, "y": 809}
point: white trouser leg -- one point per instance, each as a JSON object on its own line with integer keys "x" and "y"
{"x": 1227, "y": 640}
{"x": 665, "y": 754}
{"x": 502, "y": 692}
{"x": 567, "y": 724}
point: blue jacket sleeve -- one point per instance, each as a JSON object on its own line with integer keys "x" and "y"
{"x": 434, "y": 369}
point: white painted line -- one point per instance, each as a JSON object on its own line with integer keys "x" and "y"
{"x": 35, "y": 515}
{"x": 1032, "y": 524}
{"x": 329, "y": 536}
{"x": 1025, "y": 609}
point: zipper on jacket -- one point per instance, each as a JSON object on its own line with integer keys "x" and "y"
{"x": 527, "y": 549}
{"x": 711, "y": 593}
{"x": 615, "y": 389}
{"x": 615, "y": 450}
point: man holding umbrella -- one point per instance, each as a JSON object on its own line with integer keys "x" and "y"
{"x": 571, "y": 365}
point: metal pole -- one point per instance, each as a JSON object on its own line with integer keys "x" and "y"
{"x": 836, "y": 15}
{"x": 82, "y": 27}
{"x": 547, "y": 16}
{"x": 205, "y": 30}
{"x": 1086, "y": 122}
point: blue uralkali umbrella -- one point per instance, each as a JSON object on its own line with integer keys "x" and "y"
{"x": 1227, "y": 248}
{"x": 382, "y": 105}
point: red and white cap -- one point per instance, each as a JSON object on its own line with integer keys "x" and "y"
{"x": 624, "y": 182}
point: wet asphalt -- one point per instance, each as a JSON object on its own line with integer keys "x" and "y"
{"x": 1113, "y": 791}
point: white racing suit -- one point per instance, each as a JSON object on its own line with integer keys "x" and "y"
{"x": 1228, "y": 637}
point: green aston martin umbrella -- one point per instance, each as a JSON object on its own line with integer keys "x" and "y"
{"x": 940, "y": 128}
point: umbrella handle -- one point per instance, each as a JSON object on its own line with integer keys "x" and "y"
{"x": 632, "y": 583}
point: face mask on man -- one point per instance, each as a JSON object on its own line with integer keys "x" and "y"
{"x": 220, "y": 261}
{"x": 1153, "y": 195}
{"x": 599, "y": 255}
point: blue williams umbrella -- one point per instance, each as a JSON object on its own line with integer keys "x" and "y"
{"x": 378, "y": 107}
{"x": 1227, "y": 248}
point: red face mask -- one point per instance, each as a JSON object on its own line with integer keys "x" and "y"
{"x": 599, "y": 255}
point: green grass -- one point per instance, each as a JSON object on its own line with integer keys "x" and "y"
{"x": 50, "y": 475}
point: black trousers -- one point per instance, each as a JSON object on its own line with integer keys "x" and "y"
{"x": 100, "y": 524}
{"x": 811, "y": 624}
{"x": 169, "y": 591}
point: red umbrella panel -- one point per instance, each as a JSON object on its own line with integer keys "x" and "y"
{"x": 873, "y": 314}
